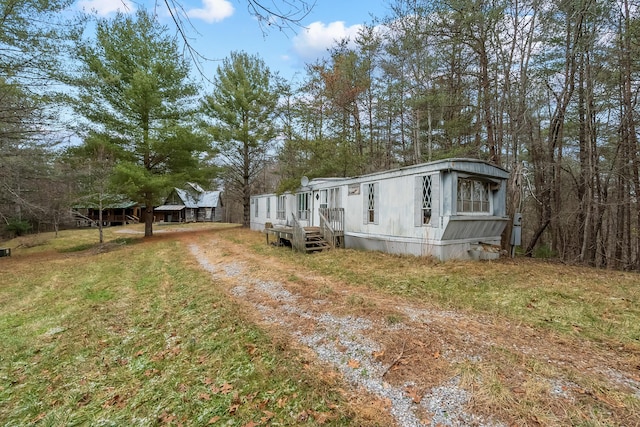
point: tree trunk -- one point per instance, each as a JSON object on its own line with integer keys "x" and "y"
{"x": 148, "y": 218}
{"x": 534, "y": 239}
{"x": 629, "y": 133}
{"x": 514, "y": 196}
{"x": 485, "y": 88}
{"x": 417, "y": 151}
{"x": 100, "y": 230}
{"x": 246, "y": 186}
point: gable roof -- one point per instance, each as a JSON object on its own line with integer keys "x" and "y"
{"x": 199, "y": 198}
{"x": 187, "y": 199}
{"x": 196, "y": 187}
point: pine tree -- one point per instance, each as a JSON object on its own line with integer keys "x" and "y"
{"x": 134, "y": 91}
{"x": 242, "y": 109}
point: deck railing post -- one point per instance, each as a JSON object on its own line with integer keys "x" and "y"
{"x": 299, "y": 235}
{"x": 332, "y": 224}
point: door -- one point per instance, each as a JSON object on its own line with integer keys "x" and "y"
{"x": 320, "y": 200}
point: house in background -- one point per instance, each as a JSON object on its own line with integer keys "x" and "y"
{"x": 192, "y": 204}
{"x": 120, "y": 213}
{"x": 448, "y": 209}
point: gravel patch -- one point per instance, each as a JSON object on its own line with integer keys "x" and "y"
{"x": 623, "y": 379}
{"x": 562, "y": 389}
{"x": 342, "y": 342}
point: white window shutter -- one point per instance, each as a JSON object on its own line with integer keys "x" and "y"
{"x": 376, "y": 201}
{"x": 364, "y": 196}
{"x": 436, "y": 200}
{"x": 417, "y": 202}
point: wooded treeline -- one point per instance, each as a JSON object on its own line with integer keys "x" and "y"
{"x": 547, "y": 90}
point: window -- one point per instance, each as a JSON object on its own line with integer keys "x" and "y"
{"x": 255, "y": 208}
{"x": 473, "y": 196}
{"x": 426, "y": 199}
{"x": 303, "y": 206}
{"x": 280, "y": 209}
{"x": 371, "y": 202}
{"x": 268, "y": 207}
{"x": 323, "y": 199}
{"x": 334, "y": 197}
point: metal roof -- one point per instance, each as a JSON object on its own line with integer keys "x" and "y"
{"x": 169, "y": 208}
{"x": 209, "y": 199}
{"x": 204, "y": 199}
{"x": 114, "y": 205}
{"x": 196, "y": 187}
{"x": 186, "y": 197}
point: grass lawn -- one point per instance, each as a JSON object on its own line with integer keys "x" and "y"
{"x": 598, "y": 305}
{"x": 136, "y": 334}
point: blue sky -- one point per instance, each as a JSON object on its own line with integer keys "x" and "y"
{"x": 222, "y": 26}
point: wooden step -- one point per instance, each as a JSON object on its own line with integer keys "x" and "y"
{"x": 314, "y": 242}
{"x": 310, "y": 249}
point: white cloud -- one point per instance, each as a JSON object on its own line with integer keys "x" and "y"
{"x": 313, "y": 42}
{"x": 212, "y": 11}
{"x": 105, "y": 7}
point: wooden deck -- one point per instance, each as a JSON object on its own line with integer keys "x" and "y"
{"x": 284, "y": 236}
{"x": 279, "y": 234}
{"x": 330, "y": 233}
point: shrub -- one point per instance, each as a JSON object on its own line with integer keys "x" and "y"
{"x": 17, "y": 227}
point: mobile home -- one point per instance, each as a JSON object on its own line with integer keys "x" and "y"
{"x": 448, "y": 209}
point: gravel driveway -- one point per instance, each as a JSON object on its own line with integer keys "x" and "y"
{"x": 424, "y": 366}
{"x": 346, "y": 343}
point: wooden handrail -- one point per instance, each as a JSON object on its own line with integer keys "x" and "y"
{"x": 328, "y": 233}
{"x": 299, "y": 235}
{"x": 331, "y": 224}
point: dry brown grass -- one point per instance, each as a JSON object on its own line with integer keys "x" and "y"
{"x": 137, "y": 334}
{"x": 536, "y": 343}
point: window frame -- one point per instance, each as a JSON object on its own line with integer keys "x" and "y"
{"x": 334, "y": 197}
{"x": 269, "y": 207}
{"x": 371, "y": 202}
{"x": 303, "y": 200}
{"x": 470, "y": 205}
{"x": 426, "y": 207}
{"x": 324, "y": 199}
{"x": 435, "y": 200}
{"x": 281, "y": 207}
